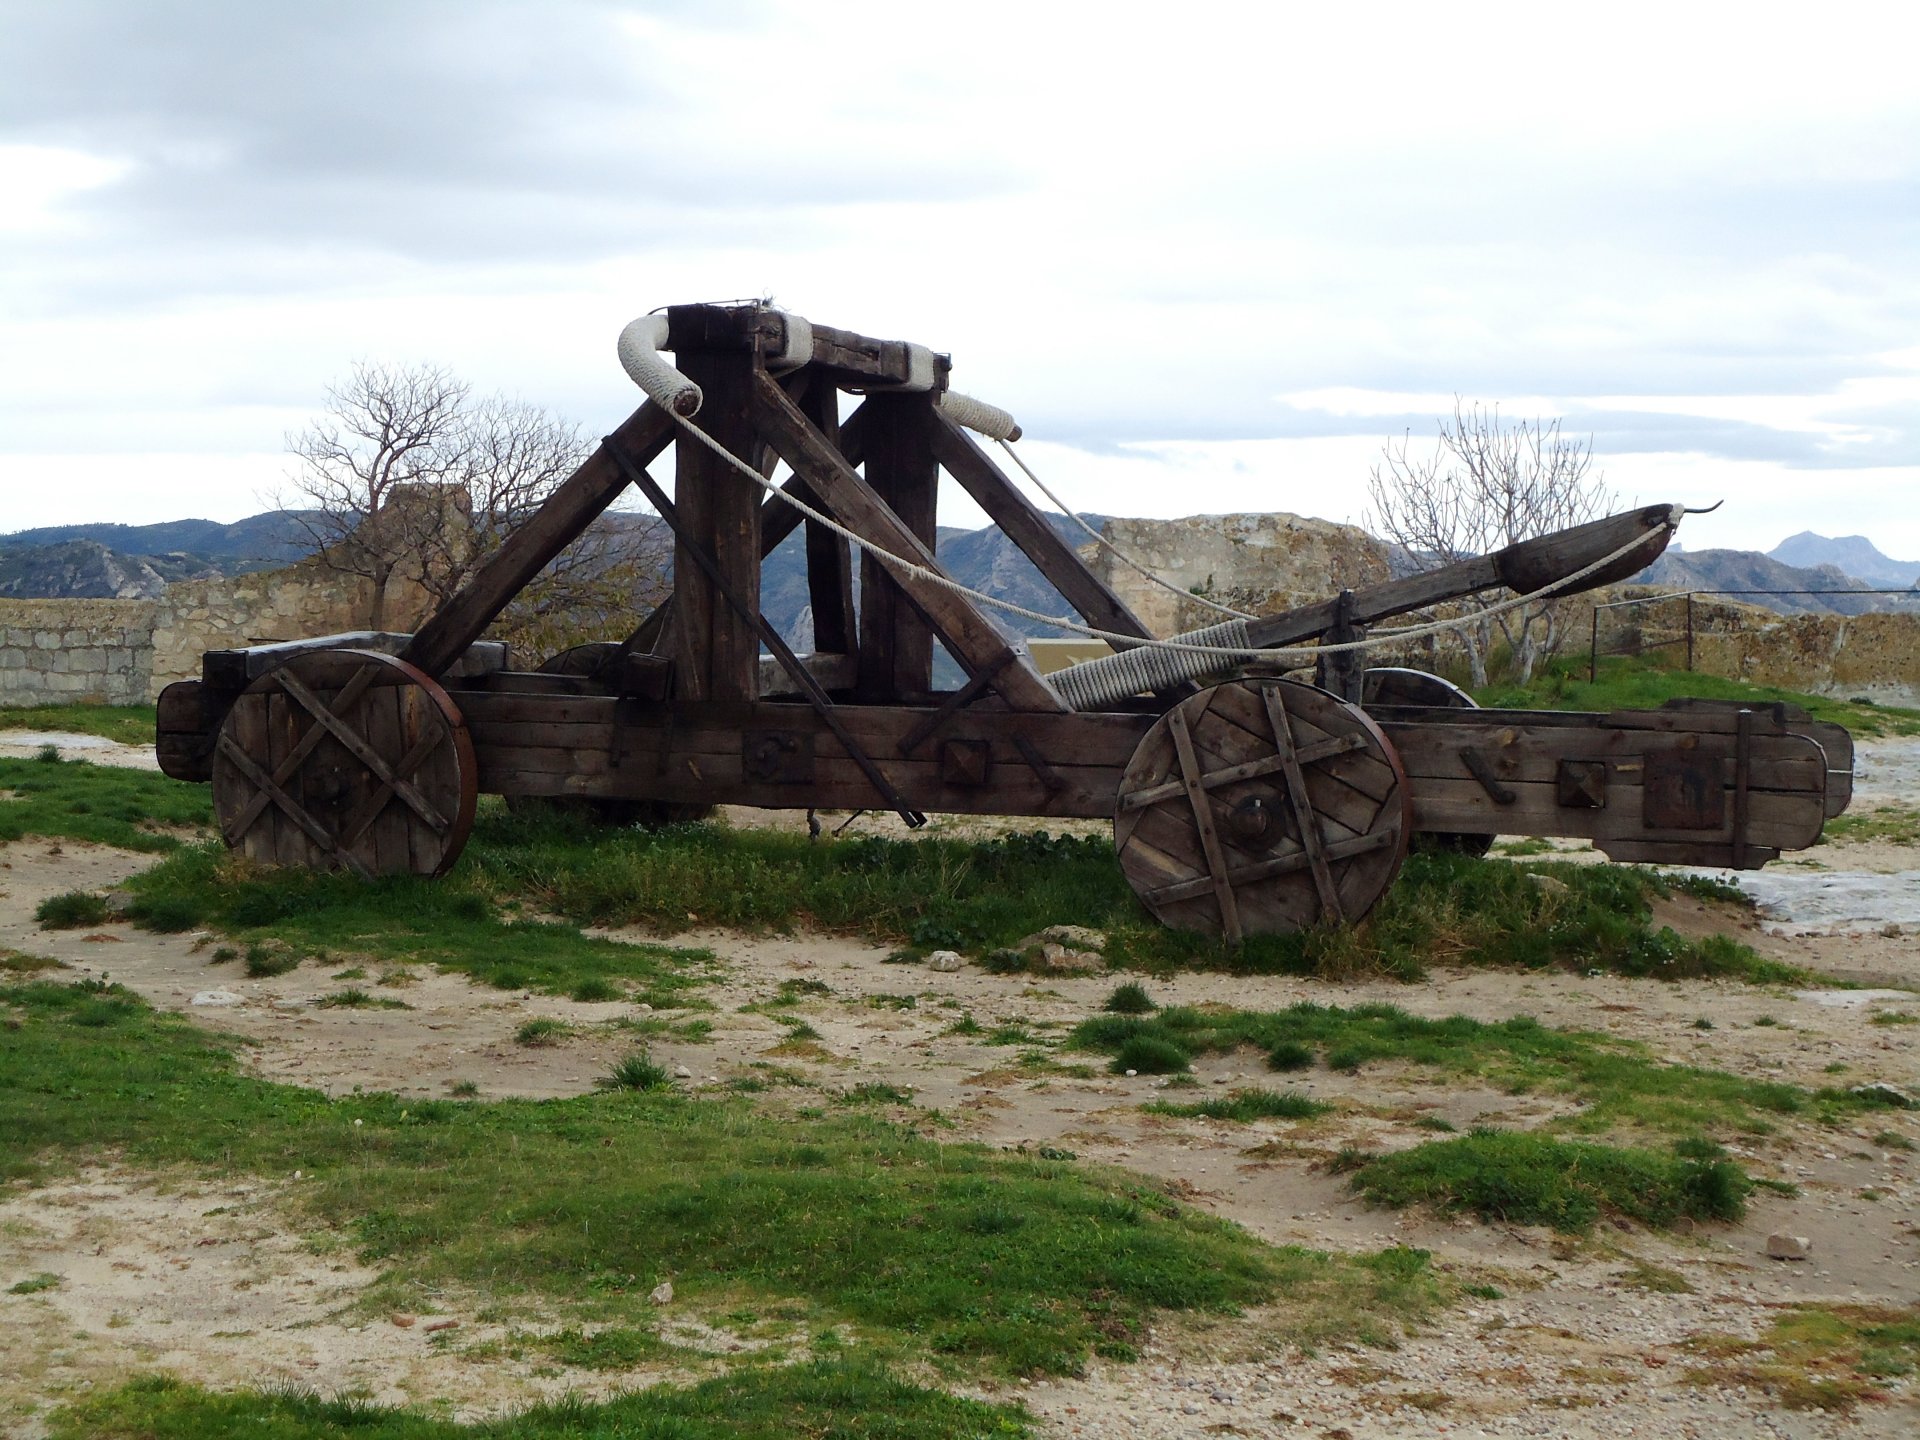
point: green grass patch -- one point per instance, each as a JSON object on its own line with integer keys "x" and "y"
{"x": 1531, "y": 1179}
{"x": 18, "y": 963}
{"x": 1245, "y": 1106}
{"x": 833, "y": 1396}
{"x": 106, "y": 804}
{"x": 71, "y": 910}
{"x": 1629, "y": 682}
{"x": 126, "y": 724}
{"x": 34, "y": 1284}
{"x": 354, "y": 998}
{"x": 1892, "y": 824}
{"x": 986, "y": 1260}
{"x": 1828, "y": 1357}
{"x": 1130, "y": 999}
{"x": 542, "y": 1030}
{"x": 1619, "y": 1083}
{"x": 457, "y": 922}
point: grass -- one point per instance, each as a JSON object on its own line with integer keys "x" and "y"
{"x": 985, "y": 1261}
{"x": 34, "y": 1284}
{"x": 1518, "y": 1178}
{"x": 457, "y": 923}
{"x": 126, "y": 724}
{"x": 71, "y": 910}
{"x": 837, "y": 1396}
{"x": 1627, "y": 682}
{"x": 542, "y": 1030}
{"x": 637, "y": 1072}
{"x": 1618, "y": 1083}
{"x": 1892, "y": 824}
{"x": 354, "y": 998}
{"x": 1130, "y": 999}
{"x": 105, "y": 804}
{"x": 1830, "y": 1357}
{"x": 1445, "y": 909}
{"x": 18, "y": 963}
{"x": 1245, "y": 1106}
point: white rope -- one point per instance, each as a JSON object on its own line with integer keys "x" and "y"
{"x": 1118, "y": 639}
{"x": 1114, "y": 550}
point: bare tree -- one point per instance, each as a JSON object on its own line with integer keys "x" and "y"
{"x": 407, "y": 475}
{"x": 1487, "y": 483}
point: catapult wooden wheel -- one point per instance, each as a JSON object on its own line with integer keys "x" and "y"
{"x": 346, "y": 759}
{"x": 1262, "y": 806}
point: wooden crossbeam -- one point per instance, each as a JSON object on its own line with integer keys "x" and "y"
{"x": 1217, "y": 876}
{"x": 350, "y": 693}
{"x": 1271, "y": 869}
{"x": 358, "y": 747}
{"x": 1306, "y": 818}
{"x": 292, "y": 808}
{"x": 1021, "y": 522}
{"x": 576, "y": 504}
{"x": 966, "y": 632}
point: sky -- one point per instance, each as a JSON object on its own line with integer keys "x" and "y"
{"x": 1212, "y": 256}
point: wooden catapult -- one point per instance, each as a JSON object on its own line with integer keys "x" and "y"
{"x": 1242, "y": 802}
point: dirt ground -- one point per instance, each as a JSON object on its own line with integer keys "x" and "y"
{"x": 208, "y": 1281}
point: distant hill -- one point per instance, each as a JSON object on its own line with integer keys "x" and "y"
{"x": 256, "y": 543}
{"x": 1855, "y": 554}
{"x": 1748, "y": 570}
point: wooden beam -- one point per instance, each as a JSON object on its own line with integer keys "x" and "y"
{"x": 715, "y": 647}
{"x": 896, "y": 643}
{"x": 973, "y": 641}
{"x": 531, "y": 547}
{"x": 829, "y": 564}
{"x": 1021, "y": 522}
{"x": 779, "y": 519}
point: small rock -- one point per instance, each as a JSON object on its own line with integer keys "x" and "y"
{"x": 1057, "y": 959}
{"x": 1075, "y": 937}
{"x": 1788, "y": 1247}
{"x": 945, "y": 961}
{"x": 440, "y": 1325}
{"x": 683, "y": 1072}
{"x": 216, "y": 997}
{"x": 662, "y": 1294}
{"x": 405, "y": 1322}
{"x": 1547, "y": 883}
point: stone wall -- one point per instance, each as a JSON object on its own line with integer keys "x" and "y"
{"x": 291, "y": 604}
{"x": 74, "y": 651}
{"x": 1256, "y": 563}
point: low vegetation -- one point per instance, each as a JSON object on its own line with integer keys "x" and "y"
{"x": 1245, "y": 1106}
{"x": 979, "y": 896}
{"x": 1832, "y": 1357}
{"x": 59, "y": 799}
{"x": 1888, "y": 824}
{"x": 1520, "y": 1178}
{"x": 125, "y": 724}
{"x": 1618, "y": 1084}
{"x": 1629, "y": 682}
{"x": 988, "y": 1261}
{"x": 835, "y": 1395}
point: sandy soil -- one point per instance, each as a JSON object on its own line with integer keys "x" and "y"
{"x": 211, "y": 1281}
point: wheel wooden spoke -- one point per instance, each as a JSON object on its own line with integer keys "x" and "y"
{"x": 377, "y": 801}
{"x": 1261, "y": 807}
{"x": 1312, "y": 838}
{"x": 314, "y": 754}
{"x": 289, "y": 767}
{"x": 362, "y": 751}
{"x": 294, "y": 811}
{"x": 1203, "y": 819}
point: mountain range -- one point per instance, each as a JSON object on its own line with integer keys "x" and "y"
{"x": 139, "y": 561}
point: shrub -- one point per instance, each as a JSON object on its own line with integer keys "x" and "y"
{"x": 637, "y": 1072}
{"x": 71, "y": 910}
{"x": 1130, "y": 1000}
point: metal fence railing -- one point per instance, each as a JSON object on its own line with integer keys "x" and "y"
{"x": 1687, "y": 630}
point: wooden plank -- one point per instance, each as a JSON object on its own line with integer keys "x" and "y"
{"x": 1021, "y": 522}
{"x": 1203, "y": 821}
{"x": 715, "y": 648}
{"x": 1792, "y": 763}
{"x": 575, "y": 505}
{"x": 1306, "y": 815}
{"x": 779, "y": 519}
{"x": 834, "y": 672}
{"x": 967, "y": 634}
{"x": 1781, "y": 821}
{"x": 829, "y": 564}
{"x": 237, "y": 668}
{"x": 587, "y": 721}
{"x": 896, "y": 642}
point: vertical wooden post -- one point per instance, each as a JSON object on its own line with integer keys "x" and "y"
{"x": 1689, "y": 630}
{"x": 829, "y": 567}
{"x": 896, "y": 645}
{"x": 716, "y": 650}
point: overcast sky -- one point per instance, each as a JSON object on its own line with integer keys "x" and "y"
{"x": 1210, "y": 255}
